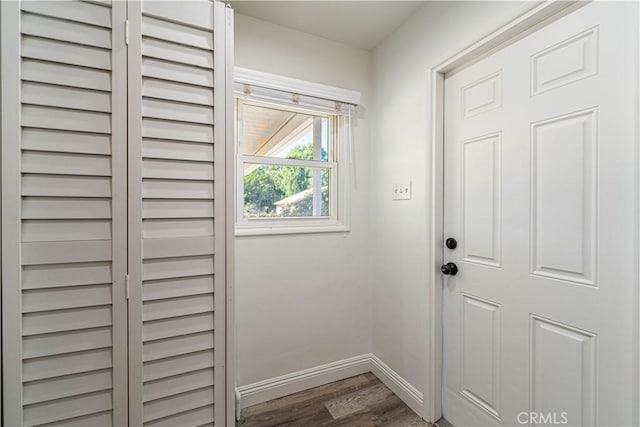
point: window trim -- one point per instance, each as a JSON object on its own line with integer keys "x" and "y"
{"x": 340, "y": 184}
{"x": 287, "y": 84}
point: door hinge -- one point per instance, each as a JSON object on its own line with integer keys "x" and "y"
{"x": 126, "y": 32}
{"x": 126, "y": 285}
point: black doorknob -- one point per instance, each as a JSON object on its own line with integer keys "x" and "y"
{"x": 451, "y": 243}
{"x": 449, "y": 269}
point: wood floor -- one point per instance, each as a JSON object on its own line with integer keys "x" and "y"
{"x": 360, "y": 401}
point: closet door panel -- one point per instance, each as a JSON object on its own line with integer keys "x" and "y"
{"x": 64, "y": 213}
{"x": 177, "y": 293}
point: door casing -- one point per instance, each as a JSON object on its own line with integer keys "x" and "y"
{"x": 532, "y": 20}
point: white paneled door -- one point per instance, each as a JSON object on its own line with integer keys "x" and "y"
{"x": 113, "y": 250}
{"x": 539, "y": 321}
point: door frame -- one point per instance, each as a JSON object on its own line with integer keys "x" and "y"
{"x": 225, "y": 40}
{"x": 530, "y": 21}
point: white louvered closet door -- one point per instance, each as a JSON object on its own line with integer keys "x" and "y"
{"x": 108, "y": 150}
{"x": 176, "y": 231}
{"x": 64, "y": 213}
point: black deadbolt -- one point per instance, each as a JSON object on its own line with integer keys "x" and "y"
{"x": 449, "y": 269}
{"x": 451, "y": 243}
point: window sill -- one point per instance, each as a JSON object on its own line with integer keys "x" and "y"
{"x": 263, "y": 230}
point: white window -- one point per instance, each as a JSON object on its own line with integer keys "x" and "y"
{"x": 292, "y": 155}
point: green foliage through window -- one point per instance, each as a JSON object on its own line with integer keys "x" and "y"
{"x": 267, "y": 187}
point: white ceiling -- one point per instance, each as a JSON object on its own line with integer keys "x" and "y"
{"x": 362, "y": 24}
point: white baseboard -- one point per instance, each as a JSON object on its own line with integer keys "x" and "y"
{"x": 237, "y": 405}
{"x": 405, "y": 391}
{"x": 294, "y": 382}
{"x": 252, "y": 394}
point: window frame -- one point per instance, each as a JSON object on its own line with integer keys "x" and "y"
{"x": 315, "y": 98}
{"x": 338, "y": 178}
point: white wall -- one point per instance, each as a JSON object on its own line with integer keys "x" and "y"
{"x": 303, "y": 301}
{"x": 373, "y": 298}
{"x": 400, "y": 151}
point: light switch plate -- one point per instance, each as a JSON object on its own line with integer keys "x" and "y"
{"x": 402, "y": 191}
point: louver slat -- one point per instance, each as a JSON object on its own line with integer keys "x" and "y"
{"x": 177, "y": 227}
{"x": 98, "y": 419}
{"x": 188, "y": 14}
{"x": 60, "y": 141}
{"x": 172, "y": 110}
{"x": 182, "y": 345}
{"x": 67, "y": 386}
{"x": 176, "y": 130}
{"x": 60, "y": 74}
{"x": 40, "y": 276}
{"x": 46, "y": 322}
{"x": 45, "y": 300}
{"x": 177, "y": 404}
{"x": 84, "y": 13}
{"x": 177, "y": 209}
{"x": 65, "y": 119}
{"x": 67, "y": 31}
{"x": 177, "y": 247}
{"x": 65, "y": 252}
{"x": 197, "y": 417}
{"x": 176, "y": 91}
{"x": 178, "y": 73}
{"x": 65, "y": 163}
{"x": 67, "y": 364}
{"x": 169, "y": 51}
{"x": 178, "y": 307}
{"x": 65, "y": 186}
{"x": 171, "y": 366}
{"x": 70, "y": 407}
{"x": 65, "y": 97}
{"x": 53, "y": 208}
{"x": 184, "y": 325}
{"x": 168, "y": 169}
{"x": 170, "y": 288}
{"x": 178, "y": 384}
{"x": 66, "y": 342}
{"x": 65, "y": 229}
{"x": 65, "y": 53}
{"x": 176, "y": 33}
{"x": 170, "y": 268}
